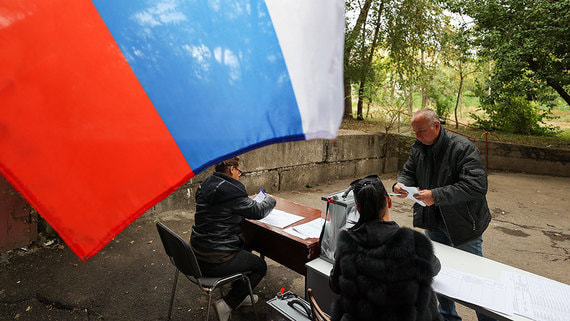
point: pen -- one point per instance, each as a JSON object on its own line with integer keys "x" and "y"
{"x": 261, "y": 189}
{"x": 394, "y": 194}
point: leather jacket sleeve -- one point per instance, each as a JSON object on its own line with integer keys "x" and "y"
{"x": 472, "y": 182}
{"x": 408, "y": 174}
{"x": 251, "y": 209}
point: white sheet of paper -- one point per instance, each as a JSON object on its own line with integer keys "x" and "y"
{"x": 291, "y": 231}
{"x": 475, "y": 289}
{"x": 280, "y": 219}
{"x": 411, "y": 191}
{"x": 259, "y": 197}
{"x": 310, "y": 229}
{"x": 538, "y": 299}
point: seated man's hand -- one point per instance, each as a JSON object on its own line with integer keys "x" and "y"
{"x": 426, "y": 196}
{"x": 402, "y": 193}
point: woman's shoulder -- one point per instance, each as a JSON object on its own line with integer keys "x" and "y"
{"x": 345, "y": 242}
{"x": 409, "y": 240}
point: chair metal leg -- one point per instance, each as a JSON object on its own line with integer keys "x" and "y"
{"x": 209, "y": 304}
{"x": 251, "y": 296}
{"x": 173, "y": 291}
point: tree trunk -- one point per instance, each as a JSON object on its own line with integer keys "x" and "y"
{"x": 425, "y": 93}
{"x": 347, "y": 98}
{"x": 360, "y": 100}
{"x": 554, "y": 84}
{"x": 368, "y": 63}
{"x": 348, "y": 46}
{"x": 423, "y": 84}
{"x": 411, "y": 102}
{"x": 458, "y": 97}
{"x": 560, "y": 90}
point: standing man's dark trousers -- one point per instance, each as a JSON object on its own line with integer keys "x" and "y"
{"x": 243, "y": 261}
{"x": 447, "y": 306}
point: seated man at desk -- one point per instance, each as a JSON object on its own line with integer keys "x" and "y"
{"x": 382, "y": 271}
{"x": 222, "y": 204}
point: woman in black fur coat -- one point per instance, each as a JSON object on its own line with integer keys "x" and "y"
{"x": 382, "y": 271}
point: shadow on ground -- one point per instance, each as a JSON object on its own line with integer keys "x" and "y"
{"x": 131, "y": 278}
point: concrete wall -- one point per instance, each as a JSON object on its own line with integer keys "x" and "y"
{"x": 526, "y": 159}
{"x": 294, "y": 165}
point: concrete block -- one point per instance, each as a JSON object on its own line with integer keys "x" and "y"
{"x": 299, "y": 176}
{"x": 368, "y": 166}
{"x": 354, "y": 147}
{"x": 284, "y": 155}
{"x": 266, "y": 180}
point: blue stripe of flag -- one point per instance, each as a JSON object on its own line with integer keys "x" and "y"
{"x": 214, "y": 71}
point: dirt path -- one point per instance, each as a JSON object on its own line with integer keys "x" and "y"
{"x": 131, "y": 278}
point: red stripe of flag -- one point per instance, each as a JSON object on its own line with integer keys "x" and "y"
{"x": 79, "y": 137}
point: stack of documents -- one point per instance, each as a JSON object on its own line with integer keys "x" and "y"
{"x": 535, "y": 298}
{"x": 308, "y": 230}
{"x": 280, "y": 219}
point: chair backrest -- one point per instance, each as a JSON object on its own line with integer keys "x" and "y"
{"x": 179, "y": 251}
{"x": 318, "y": 314}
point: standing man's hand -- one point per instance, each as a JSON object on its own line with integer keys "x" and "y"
{"x": 402, "y": 193}
{"x": 426, "y": 196}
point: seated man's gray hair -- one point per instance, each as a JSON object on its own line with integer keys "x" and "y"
{"x": 224, "y": 167}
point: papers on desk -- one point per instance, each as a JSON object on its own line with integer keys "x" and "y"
{"x": 308, "y": 230}
{"x": 471, "y": 288}
{"x": 280, "y": 219}
{"x": 536, "y": 298}
{"x": 411, "y": 192}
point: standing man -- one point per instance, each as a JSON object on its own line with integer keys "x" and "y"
{"x": 222, "y": 204}
{"x": 452, "y": 182}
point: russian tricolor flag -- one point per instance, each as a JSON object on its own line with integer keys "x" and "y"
{"x": 106, "y": 107}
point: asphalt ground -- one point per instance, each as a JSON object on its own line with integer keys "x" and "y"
{"x": 131, "y": 278}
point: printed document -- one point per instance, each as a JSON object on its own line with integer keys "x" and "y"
{"x": 471, "y": 288}
{"x": 411, "y": 191}
{"x": 536, "y": 298}
{"x": 311, "y": 229}
{"x": 280, "y": 219}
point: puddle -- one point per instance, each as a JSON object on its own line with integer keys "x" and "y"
{"x": 509, "y": 231}
{"x": 555, "y": 236}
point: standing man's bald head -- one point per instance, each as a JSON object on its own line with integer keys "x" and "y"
{"x": 426, "y": 126}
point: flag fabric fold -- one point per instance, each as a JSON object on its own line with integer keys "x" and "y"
{"x": 109, "y": 106}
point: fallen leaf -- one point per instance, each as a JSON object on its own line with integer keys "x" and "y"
{"x": 150, "y": 242}
{"x": 132, "y": 242}
{"x": 28, "y": 308}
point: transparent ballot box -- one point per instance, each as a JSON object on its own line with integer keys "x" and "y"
{"x": 340, "y": 213}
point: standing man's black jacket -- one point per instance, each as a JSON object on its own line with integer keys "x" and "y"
{"x": 221, "y": 205}
{"x": 458, "y": 180}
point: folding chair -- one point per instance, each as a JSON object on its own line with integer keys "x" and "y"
{"x": 317, "y": 313}
{"x": 184, "y": 259}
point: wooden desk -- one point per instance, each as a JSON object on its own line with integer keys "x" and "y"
{"x": 284, "y": 248}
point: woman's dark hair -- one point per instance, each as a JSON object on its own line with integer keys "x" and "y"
{"x": 371, "y": 198}
{"x": 224, "y": 166}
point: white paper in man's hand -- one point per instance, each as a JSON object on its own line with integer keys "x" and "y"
{"x": 411, "y": 192}
{"x": 260, "y": 196}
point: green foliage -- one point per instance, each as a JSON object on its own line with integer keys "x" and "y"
{"x": 442, "y": 94}
{"x": 512, "y": 114}
{"x": 526, "y": 40}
